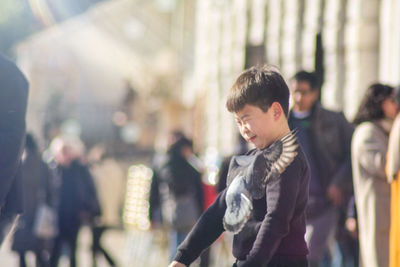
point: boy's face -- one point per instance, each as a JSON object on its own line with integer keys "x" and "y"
{"x": 256, "y": 126}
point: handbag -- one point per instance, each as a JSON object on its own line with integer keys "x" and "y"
{"x": 181, "y": 212}
{"x": 45, "y": 224}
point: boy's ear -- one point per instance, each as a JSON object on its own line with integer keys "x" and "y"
{"x": 277, "y": 110}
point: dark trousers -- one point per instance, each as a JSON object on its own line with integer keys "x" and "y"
{"x": 7, "y": 223}
{"x": 40, "y": 259}
{"x": 97, "y": 232}
{"x": 349, "y": 248}
{"x": 69, "y": 238}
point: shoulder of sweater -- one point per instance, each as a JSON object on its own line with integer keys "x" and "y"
{"x": 367, "y": 129}
{"x": 299, "y": 163}
{"x": 301, "y": 158}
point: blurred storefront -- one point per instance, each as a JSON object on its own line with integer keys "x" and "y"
{"x": 113, "y": 74}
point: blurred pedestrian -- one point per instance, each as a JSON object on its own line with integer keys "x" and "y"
{"x": 374, "y": 121}
{"x": 13, "y": 101}
{"x": 109, "y": 181}
{"x": 77, "y": 197}
{"x": 351, "y": 259}
{"x": 179, "y": 184}
{"x": 36, "y": 190}
{"x": 325, "y": 137}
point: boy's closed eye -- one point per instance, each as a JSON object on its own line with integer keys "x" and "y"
{"x": 243, "y": 120}
{"x": 243, "y": 123}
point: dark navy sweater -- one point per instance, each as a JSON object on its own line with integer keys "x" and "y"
{"x": 275, "y": 229}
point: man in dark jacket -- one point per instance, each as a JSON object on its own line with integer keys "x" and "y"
{"x": 325, "y": 137}
{"x": 13, "y": 101}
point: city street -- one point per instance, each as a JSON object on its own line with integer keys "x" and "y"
{"x": 133, "y": 249}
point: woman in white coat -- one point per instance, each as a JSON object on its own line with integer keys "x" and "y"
{"x": 374, "y": 120}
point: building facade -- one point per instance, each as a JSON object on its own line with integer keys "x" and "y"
{"x": 349, "y": 43}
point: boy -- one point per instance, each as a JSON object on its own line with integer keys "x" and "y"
{"x": 264, "y": 203}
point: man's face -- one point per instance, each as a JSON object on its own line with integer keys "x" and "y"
{"x": 256, "y": 126}
{"x": 302, "y": 95}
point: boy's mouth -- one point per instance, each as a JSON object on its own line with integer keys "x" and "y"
{"x": 251, "y": 139}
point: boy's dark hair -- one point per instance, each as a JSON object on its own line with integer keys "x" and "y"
{"x": 310, "y": 77}
{"x": 259, "y": 86}
{"x": 371, "y": 105}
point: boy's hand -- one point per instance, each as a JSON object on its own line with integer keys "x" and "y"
{"x": 176, "y": 264}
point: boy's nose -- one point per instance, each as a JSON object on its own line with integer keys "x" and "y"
{"x": 245, "y": 130}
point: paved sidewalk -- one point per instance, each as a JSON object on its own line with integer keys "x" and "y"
{"x": 128, "y": 248}
{"x": 114, "y": 241}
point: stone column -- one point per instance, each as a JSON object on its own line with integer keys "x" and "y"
{"x": 311, "y": 22}
{"x": 333, "y": 41}
{"x": 201, "y": 72}
{"x": 239, "y": 31}
{"x": 232, "y": 45}
{"x": 256, "y": 22}
{"x": 214, "y": 67}
{"x": 220, "y": 51}
{"x": 273, "y": 34}
{"x": 291, "y": 37}
{"x": 389, "y": 61}
{"x": 362, "y": 51}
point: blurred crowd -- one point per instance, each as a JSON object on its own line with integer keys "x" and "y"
{"x": 63, "y": 189}
{"x": 352, "y": 212}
